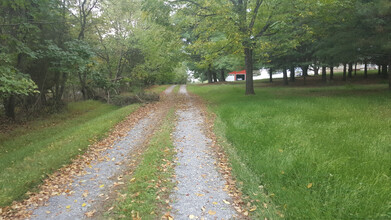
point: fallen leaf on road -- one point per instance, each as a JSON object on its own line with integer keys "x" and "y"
{"x": 47, "y": 212}
{"x": 82, "y": 205}
{"x": 191, "y": 217}
{"x": 68, "y": 206}
{"x": 90, "y": 213}
{"x": 210, "y": 212}
{"x": 101, "y": 186}
{"x": 226, "y": 202}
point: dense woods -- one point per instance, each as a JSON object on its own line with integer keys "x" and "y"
{"x": 52, "y": 51}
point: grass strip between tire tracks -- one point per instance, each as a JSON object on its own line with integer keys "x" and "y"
{"x": 147, "y": 192}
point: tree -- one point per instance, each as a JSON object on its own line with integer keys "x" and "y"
{"x": 13, "y": 83}
{"x": 243, "y": 22}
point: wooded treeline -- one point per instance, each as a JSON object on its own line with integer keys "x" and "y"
{"x": 51, "y": 50}
{"x": 229, "y": 35}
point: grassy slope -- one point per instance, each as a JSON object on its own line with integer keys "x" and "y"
{"x": 336, "y": 139}
{"x": 28, "y": 154}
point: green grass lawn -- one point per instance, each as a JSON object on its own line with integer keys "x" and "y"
{"x": 319, "y": 153}
{"x": 29, "y": 153}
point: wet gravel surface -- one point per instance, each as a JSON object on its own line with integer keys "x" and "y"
{"x": 200, "y": 191}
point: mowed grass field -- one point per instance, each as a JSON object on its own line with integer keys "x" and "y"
{"x": 29, "y": 153}
{"x": 318, "y": 153}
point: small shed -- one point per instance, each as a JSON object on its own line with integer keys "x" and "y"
{"x": 236, "y": 76}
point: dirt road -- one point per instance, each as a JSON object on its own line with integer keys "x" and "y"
{"x": 201, "y": 191}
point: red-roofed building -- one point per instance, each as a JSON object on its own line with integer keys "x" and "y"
{"x": 236, "y": 76}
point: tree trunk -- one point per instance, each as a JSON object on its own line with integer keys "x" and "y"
{"x": 331, "y": 72}
{"x": 270, "y": 75}
{"x": 214, "y": 74}
{"x": 389, "y": 76}
{"x": 365, "y": 69}
{"x": 209, "y": 74}
{"x": 350, "y": 70}
{"x": 305, "y": 72}
{"x": 285, "y": 76}
{"x": 316, "y": 70}
{"x": 248, "y": 52}
{"x": 384, "y": 71}
{"x": 9, "y": 105}
{"x": 379, "y": 69}
{"x": 324, "y": 79}
{"x": 83, "y": 87}
{"x": 355, "y": 69}
{"x": 344, "y": 72}
{"x": 292, "y": 75}
{"x": 222, "y": 75}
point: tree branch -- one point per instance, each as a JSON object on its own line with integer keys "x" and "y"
{"x": 255, "y": 13}
{"x": 192, "y": 2}
{"x": 264, "y": 29}
{"x": 92, "y": 7}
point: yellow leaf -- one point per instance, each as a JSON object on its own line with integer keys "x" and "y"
{"x": 82, "y": 205}
{"x": 68, "y": 207}
{"x": 210, "y": 212}
{"x": 132, "y": 180}
{"x": 101, "y": 186}
{"x": 309, "y": 185}
{"x": 191, "y": 217}
{"x": 48, "y": 212}
{"x": 280, "y": 150}
{"x": 215, "y": 203}
{"x": 253, "y": 209}
{"x": 226, "y": 202}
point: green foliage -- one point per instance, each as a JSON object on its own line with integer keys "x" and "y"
{"x": 316, "y": 151}
{"x": 12, "y": 81}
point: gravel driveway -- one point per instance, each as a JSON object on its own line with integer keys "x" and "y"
{"x": 200, "y": 191}
{"x": 86, "y": 191}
